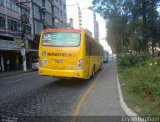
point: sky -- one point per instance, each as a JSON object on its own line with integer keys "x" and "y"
{"x": 84, "y": 4}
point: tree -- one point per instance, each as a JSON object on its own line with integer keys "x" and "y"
{"x": 112, "y": 11}
{"x": 132, "y": 24}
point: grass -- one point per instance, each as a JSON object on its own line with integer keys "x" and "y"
{"x": 141, "y": 88}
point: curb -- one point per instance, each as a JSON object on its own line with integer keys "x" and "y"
{"x": 133, "y": 116}
{"x": 13, "y": 73}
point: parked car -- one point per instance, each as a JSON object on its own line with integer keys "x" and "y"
{"x": 35, "y": 64}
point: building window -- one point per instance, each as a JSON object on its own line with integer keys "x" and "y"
{"x": 49, "y": 19}
{"x": 52, "y": 21}
{"x": 25, "y": 12}
{"x": 43, "y": 3}
{"x": 25, "y": 15}
{"x": 56, "y": 9}
{"x": 9, "y": 24}
{"x": 37, "y": 14}
{"x": 38, "y": 27}
{"x": 64, "y": 14}
{"x": 18, "y": 26}
{"x": 12, "y": 5}
{"x": 62, "y": 23}
{"x": 52, "y": 9}
{"x": 61, "y": 13}
{"x": 2, "y": 22}
{"x": 64, "y": 6}
{"x": 57, "y": 0}
{"x": 27, "y": 29}
{"x": 13, "y": 25}
{"x": 1, "y": 2}
{"x": 43, "y": 15}
{"x": 60, "y": 2}
{"x": 56, "y": 20}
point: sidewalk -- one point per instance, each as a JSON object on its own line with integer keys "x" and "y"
{"x": 10, "y": 73}
{"x": 103, "y": 101}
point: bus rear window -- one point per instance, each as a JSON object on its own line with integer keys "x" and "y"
{"x": 61, "y": 39}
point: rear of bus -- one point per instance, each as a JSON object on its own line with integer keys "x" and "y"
{"x": 61, "y": 53}
{"x": 105, "y": 56}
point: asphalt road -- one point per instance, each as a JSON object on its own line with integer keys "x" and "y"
{"x": 31, "y": 95}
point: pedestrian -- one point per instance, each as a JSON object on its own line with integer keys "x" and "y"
{"x": 8, "y": 64}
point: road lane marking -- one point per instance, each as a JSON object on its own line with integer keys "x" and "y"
{"x": 82, "y": 99}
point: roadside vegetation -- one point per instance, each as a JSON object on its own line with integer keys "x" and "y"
{"x": 139, "y": 76}
{"x": 134, "y": 26}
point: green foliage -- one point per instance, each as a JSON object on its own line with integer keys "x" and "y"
{"x": 117, "y": 22}
{"x": 132, "y": 59}
{"x": 131, "y": 25}
{"x": 142, "y": 82}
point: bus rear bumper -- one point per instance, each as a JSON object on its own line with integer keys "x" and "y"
{"x": 62, "y": 73}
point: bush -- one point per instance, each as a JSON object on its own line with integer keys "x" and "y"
{"x": 132, "y": 59}
{"x": 141, "y": 87}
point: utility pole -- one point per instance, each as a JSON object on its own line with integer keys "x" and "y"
{"x": 23, "y": 50}
{"x": 23, "y": 19}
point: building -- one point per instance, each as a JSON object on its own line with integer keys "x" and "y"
{"x": 59, "y": 13}
{"x": 23, "y": 20}
{"x": 47, "y": 14}
{"x": 79, "y": 17}
{"x": 96, "y": 27}
{"x": 89, "y": 20}
{"x": 10, "y": 33}
{"x": 70, "y": 23}
{"x": 82, "y": 18}
{"x": 96, "y": 33}
{"x": 74, "y": 14}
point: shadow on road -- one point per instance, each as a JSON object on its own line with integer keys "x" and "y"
{"x": 71, "y": 83}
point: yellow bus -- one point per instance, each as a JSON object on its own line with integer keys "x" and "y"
{"x": 69, "y": 53}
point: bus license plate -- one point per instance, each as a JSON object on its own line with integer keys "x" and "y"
{"x": 58, "y": 61}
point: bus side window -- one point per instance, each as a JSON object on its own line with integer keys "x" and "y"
{"x": 88, "y": 47}
{"x": 94, "y": 49}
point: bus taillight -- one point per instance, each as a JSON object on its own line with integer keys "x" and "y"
{"x": 80, "y": 64}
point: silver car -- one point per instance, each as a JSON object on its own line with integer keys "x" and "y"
{"x": 35, "y": 64}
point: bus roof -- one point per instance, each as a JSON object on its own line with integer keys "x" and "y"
{"x": 61, "y": 30}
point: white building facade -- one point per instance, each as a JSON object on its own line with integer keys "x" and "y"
{"x": 74, "y": 14}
